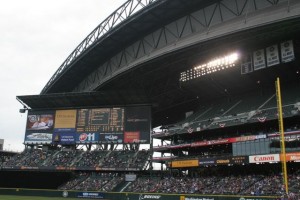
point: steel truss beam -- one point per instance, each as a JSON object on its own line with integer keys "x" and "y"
{"x": 125, "y": 11}
{"x": 221, "y": 18}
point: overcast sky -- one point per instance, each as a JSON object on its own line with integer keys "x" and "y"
{"x": 36, "y": 37}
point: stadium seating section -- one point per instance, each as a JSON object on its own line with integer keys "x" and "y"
{"x": 239, "y": 110}
{"x": 226, "y": 180}
{"x": 78, "y": 158}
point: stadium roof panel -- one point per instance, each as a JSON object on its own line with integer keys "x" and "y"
{"x": 84, "y": 59}
{"x": 87, "y": 99}
{"x": 158, "y": 78}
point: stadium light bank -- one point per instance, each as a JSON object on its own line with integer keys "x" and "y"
{"x": 212, "y": 66}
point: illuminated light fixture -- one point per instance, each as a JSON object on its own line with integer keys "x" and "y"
{"x": 212, "y": 66}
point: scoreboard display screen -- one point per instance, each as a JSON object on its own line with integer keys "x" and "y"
{"x": 130, "y": 124}
{"x": 100, "y": 120}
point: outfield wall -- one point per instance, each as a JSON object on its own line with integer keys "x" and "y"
{"x": 125, "y": 196}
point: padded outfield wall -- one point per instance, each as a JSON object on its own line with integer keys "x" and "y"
{"x": 125, "y": 196}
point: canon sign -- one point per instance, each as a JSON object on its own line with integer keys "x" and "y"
{"x": 264, "y": 158}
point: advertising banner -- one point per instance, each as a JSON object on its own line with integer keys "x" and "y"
{"x": 185, "y": 163}
{"x": 130, "y": 177}
{"x": 259, "y": 59}
{"x": 199, "y": 144}
{"x": 207, "y": 161}
{"x": 137, "y": 124}
{"x": 65, "y": 121}
{"x": 224, "y": 197}
{"x": 272, "y": 55}
{"x": 87, "y": 137}
{"x": 132, "y": 137}
{"x": 227, "y": 140}
{"x": 39, "y": 127}
{"x": 213, "y": 142}
{"x": 180, "y": 146}
{"x": 264, "y": 158}
{"x": 239, "y": 160}
{"x": 38, "y": 138}
{"x": 150, "y": 197}
{"x": 224, "y": 160}
{"x": 90, "y": 195}
{"x": 108, "y": 138}
{"x": 292, "y": 156}
{"x": 287, "y": 51}
{"x": 64, "y": 138}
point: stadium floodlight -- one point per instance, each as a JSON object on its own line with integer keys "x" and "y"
{"x": 212, "y": 66}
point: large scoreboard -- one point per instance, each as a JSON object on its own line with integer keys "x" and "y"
{"x": 89, "y": 126}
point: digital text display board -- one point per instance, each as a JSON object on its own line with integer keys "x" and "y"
{"x": 96, "y": 125}
{"x": 100, "y": 120}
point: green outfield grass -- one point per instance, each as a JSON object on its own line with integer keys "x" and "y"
{"x": 9, "y": 197}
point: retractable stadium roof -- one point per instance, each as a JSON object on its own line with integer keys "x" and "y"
{"x": 157, "y": 82}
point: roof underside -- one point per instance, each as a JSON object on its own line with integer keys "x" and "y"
{"x": 84, "y": 100}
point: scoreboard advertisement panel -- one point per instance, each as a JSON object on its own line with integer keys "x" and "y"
{"x": 137, "y": 125}
{"x": 108, "y": 138}
{"x": 39, "y": 127}
{"x": 88, "y": 137}
{"x": 63, "y": 138}
{"x": 65, "y": 120}
{"x": 96, "y": 125}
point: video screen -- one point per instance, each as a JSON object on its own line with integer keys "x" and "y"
{"x": 37, "y": 121}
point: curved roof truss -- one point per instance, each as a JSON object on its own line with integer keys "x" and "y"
{"x": 125, "y": 11}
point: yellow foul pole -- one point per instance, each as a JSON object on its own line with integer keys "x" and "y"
{"x": 281, "y": 130}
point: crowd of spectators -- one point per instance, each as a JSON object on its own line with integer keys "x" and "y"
{"x": 116, "y": 180}
{"x": 5, "y": 157}
{"x": 250, "y": 185}
{"x": 250, "y": 180}
{"x": 255, "y": 180}
{"x": 255, "y": 185}
{"x": 94, "y": 182}
{"x": 79, "y": 158}
{"x": 140, "y": 159}
{"x": 227, "y": 185}
{"x": 119, "y": 159}
{"x": 29, "y": 158}
{"x": 14, "y": 161}
{"x": 143, "y": 184}
{"x": 272, "y": 185}
{"x": 91, "y": 158}
{"x": 63, "y": 158}
{"x": 36, "y": 157}
{"x": 74, "y": 182}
